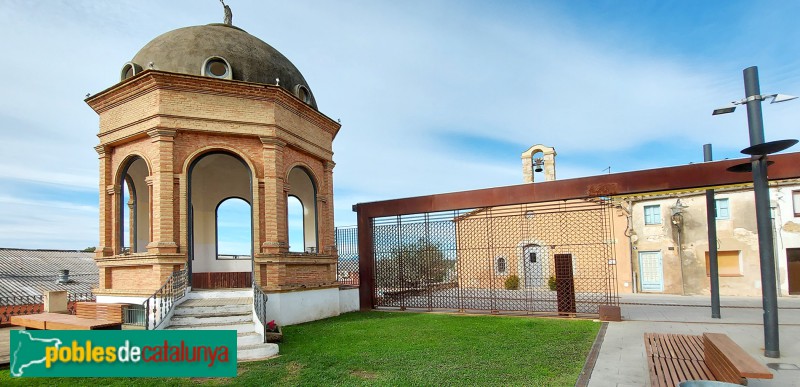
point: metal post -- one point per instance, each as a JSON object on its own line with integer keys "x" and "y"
{"x": 711, "y": 220}
{"x": 769, "y": 296}
{"x": 366, "y": 260}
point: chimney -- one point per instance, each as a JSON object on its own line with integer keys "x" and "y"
{"x": 63, "y": 277}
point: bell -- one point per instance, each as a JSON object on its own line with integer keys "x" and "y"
{"x": 537, "y": 164}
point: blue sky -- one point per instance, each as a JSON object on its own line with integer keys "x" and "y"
{"x": 433, "y": 96}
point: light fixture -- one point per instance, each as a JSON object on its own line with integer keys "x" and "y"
{"x": 724, "y": 110}
{"x": 781, "y": 98}
{"x": 759, "y": 97}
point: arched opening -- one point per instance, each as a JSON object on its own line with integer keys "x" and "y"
{"x": 220, "y": 219}
{"x": 134, "y": 208}
{"x": 303, "y": 189}
{"x": 234, "y": 219}
{"x": 294, "y": 217}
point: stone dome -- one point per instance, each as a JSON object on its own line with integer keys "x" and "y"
{"x": 220, "y": 51}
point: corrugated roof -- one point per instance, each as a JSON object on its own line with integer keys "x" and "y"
{"x": 32, "y": 272}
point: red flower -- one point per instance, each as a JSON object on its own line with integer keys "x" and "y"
{"x": 272, "y": 326}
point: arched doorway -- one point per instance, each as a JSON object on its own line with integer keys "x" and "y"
{"x": 134, "y": 208}
{"x": 220, "y": 180}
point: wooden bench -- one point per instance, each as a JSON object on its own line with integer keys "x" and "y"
{"x": 673, "y": 358}
{"x": 729, "y": 362}
{"x": 52, "y": 321}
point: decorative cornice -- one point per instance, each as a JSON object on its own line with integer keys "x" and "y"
{"x": 272, "y": 141}
{"x": 150, "y": 80}
{"x": 160, "y": 133}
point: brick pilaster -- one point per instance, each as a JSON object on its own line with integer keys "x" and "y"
{"x": 328, "y": 232}
{"x": 163, "y": 229}
{"x": 105, "y": 247}
{"x": 275, "y": 233}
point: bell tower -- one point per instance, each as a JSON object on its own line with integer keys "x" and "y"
{"x": 539, "y": 158}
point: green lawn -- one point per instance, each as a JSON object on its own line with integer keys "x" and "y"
{"x": 386, "y": 348}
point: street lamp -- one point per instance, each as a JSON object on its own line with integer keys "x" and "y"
{"x": 758, "y": 150}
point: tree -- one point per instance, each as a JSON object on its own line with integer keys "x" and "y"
{"x": 89, "y": 250}
{"x": 412, "y": 265}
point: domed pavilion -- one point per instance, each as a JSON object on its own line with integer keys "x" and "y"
{"x": 202, "y": 115}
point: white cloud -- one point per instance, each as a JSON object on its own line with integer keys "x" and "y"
{"x": 400, "y": 75}
{"x": 47, "y": 224}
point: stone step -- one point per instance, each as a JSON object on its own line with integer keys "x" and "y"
{"x": 219, "y": 293}
{"x": 256, "y": 351}
{"x": 194, "y": 309}
{"x": 213, "y": 318}
{"x": 241, "y": 327}
{"x": 249, "y": 338}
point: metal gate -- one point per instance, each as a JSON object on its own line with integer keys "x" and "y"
{"x": 552, "y": 257}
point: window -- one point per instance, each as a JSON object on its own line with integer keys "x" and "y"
{"x": 130, "y": 69}
{"x": 730, "y": 264}
{"x": 652, "y": 214}
{"x": 303, "y": 93}
{"x": 216, "y": 67}
{"x": 721, "y": 209}
{"x": 796, "y": 203}
{"x": 500, "y": 265}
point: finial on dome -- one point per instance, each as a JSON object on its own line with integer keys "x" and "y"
{"x": 228, "y": 14}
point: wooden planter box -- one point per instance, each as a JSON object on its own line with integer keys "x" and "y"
{"x": 274, "y": 337}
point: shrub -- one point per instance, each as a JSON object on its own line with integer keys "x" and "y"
{"x": 512, "y": 282}
{"x": 551, "y": 282}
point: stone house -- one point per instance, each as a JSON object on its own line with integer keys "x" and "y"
{"x": 669, "y": 241}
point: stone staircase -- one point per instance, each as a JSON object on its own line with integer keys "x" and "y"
{"x": 224, "y": 310}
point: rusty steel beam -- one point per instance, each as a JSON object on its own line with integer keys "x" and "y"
{"x": 366, "y": 263}
{"x": 708, "y": 174}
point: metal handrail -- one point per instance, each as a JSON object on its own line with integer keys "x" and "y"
{"x": 260, "y": 304}
{"x": 158, "y": 306}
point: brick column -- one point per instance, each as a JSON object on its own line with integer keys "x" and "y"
{"x": 275, "y": 235}
{"x": 328, "y": 241}
{"x": 163, "y": 193}
{"x": 105, "y": 247}
{"x": 149, "y": 181}
{"x": 115, "y": 195}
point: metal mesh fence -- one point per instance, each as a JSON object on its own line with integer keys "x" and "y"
{"x": 536, "y": 258}
{"x": 347, "y": 246}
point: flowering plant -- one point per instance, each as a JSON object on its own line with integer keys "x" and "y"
{"x": 272, "y": 327}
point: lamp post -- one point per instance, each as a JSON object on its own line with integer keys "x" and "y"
{"x": 677, "y": 221}
{"x": 758, "y": 150}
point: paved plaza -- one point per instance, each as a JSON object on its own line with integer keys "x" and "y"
{"x": 622, "y": 361}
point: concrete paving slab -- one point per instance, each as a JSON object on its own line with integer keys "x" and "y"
{"x": 622, "y": 362}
